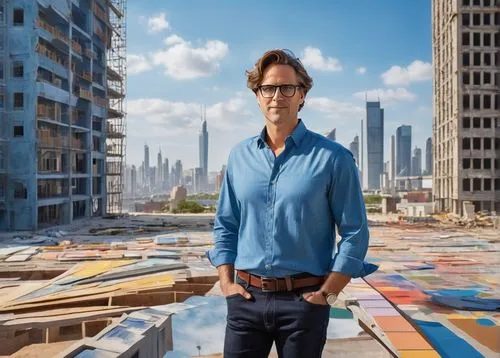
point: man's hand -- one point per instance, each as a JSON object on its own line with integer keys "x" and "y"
{"x": 315, "y": 297}
{"x": 234, "y": 288}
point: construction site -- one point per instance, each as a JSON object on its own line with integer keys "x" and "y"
{"x": 62, "y": 108}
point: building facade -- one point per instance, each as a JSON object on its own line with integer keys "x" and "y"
{"x": 416, "y": 162}
{"x": 373, "y": 146}
{"x": 403, "y": 151}
{"x": 61, "y": 108}
{"x": 466, "y": 95}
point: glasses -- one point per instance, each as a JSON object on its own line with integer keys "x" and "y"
{"x": 268, "y": 91}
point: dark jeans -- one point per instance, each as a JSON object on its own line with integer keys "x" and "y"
{"x": 296, "y": 326}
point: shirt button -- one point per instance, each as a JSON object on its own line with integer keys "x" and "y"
{"x": 268, "y": 267}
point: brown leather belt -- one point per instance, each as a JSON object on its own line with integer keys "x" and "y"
{"x": 272, "y": 284}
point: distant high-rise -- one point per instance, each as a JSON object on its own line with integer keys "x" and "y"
{"x": 332, "y": 134}
{"x": 392, "y": 163}
{"x": 373, "y": 146}
{"x": 428, "y": 156}
{"x": 146, "y": 164}
{"x": 159, "y": 169}
{"x": 416, "y": 162}
{"x": 403, "y": 151}
{"x": 133, "y": 181}
{"x": 179, "y": 173}
{"x": 354, "y": 148}
{"x": 203, "y": 154}
{"x": 166, "y": 174}
{"x": 466, "y": 96}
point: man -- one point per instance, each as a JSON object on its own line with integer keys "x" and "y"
{"x": 283, "y": 193}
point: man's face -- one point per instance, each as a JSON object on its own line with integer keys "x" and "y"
{"x": 279, "y": 109}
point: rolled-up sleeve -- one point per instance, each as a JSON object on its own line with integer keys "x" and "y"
{"x": 348, "y": 210}
{"x": 226, "y": 224}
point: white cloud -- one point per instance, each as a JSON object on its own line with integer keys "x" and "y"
{"x": 361, "y": 70}
{"x": 417, "y": 71}
{"x": 137, "y": 64}
{"x": 174, "y": 39}
{"x": 386, "y": 95}
{"x": 333, "y": 108}
{"x": 170, "y": 118}
{"x": 183, "y": 61}
{"x": 313, "y": 58}
{"x": 158, "y": 23}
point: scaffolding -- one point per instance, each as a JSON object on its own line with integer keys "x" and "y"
{"x": 116, "y": 120}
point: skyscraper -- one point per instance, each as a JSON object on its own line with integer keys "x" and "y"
{"x": 133, "y": 181}
{"x": 466, "y": 95}
{"x": 159, "y": 170}
{"x": 403, "y": 151}
{"x": 373, "y": 146}
{"x": 61, "y": 137}
{"x": 166, "y": 174}
{"x": 354, "y": 148}
{"x": 416, "y": 162}
{"x": 146, "y": 165}
{"x": 179, "y": 176}
{"x": 332, "y": 134}
{"x": 392, "y": 163}
{"x": 203, "y": 154}
{"x": 428, "y": 156}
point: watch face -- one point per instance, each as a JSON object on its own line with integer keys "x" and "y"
{"x": 331, "y": 298}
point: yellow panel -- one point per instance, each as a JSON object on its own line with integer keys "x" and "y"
{"x": 93, "y": 268}
{"x": 145, "y": 282}
{"x": 419, "y": 354}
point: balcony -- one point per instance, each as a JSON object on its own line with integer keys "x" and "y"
{"x": 76, "y": 47}
{"x": 100, "y": 13}
{"x": 87, "y": 76}
{"x": 78, "y": 144}
{"x": 52, "y": 55}
{"x": 102, "y": 35}
{"x": 82, "y": 93}
{"x": 101, "y": 102}
{"x": 54, "y": 31}
{"x": 89, "y": 53}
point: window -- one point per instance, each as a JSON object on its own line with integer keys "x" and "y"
{"x": 477, "y": 101}
{"x": 465, "y": 59}
{"x": 486, "y": 3}
{"x": 497, "y": 163}
{"x": 487, "y": 184}
{"x": 476, "y": 19}
{"x": 476, "y": 2}
{"x": 487, "y": 143}
{"x": 18, "y": 17}
{"x": 20, "y": 191}
{"x": 465, "y": 184}
{"x": 487, "y": 59}
{"x": 18, "y": 70}
{"x": 18, "y": 131}
{"x": 497, "y": 101}
{"x": 2, "y": 101}
{"x": 497, "y": 39}
{"x": 1, "y": 70}
{"x": 497, "y": 143}
{"x": 465, "y": 19}
{"x": 476, "y": 184}
{"x": 486, "y": 122}
{"x": 476, "y": 143}
{"x": 477, "y": 78}
{"x": 476, "y": 39}
{"x": 466, "y": 122}
{"x": 497, "y": 184}
{"x": 487, "y": 163}
{"x": 486, "y": 19}
{"x": 486, "y": 101}
{"x": 466, "y": 78}
{"x": 465, "y": 39}
{"x": 486, "y": 78}
{"x": 497, "y": 18}
{"x": 466, "y": 101}
{"x": 466, "y": 163}
{"x": 476, "y": 163}
{"x": 465, "y": 143}
{"x": 477, "y": 58}
{"x": 476, "y": 122}
{"x": 18, "y": 100}
{"x": 486, "y": 39}
{"x": 465, "y": 2}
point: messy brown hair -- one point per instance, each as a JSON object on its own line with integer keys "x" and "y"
{"x": 279, "y": 57}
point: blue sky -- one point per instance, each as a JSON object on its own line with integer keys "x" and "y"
{"x": 184, "y": 54}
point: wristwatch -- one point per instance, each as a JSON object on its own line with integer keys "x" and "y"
{"x": 330, "y": 297}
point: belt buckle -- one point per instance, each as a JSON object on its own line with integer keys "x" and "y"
{"x": 266, "y": 282}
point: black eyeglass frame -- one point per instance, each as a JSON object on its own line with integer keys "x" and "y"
{"x": 260, "y": 88}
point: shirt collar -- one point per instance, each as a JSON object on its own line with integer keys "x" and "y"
{"x": 297, "y": 134}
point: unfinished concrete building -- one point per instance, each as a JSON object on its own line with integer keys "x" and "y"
{"x": 466, "y": 95}
{"x": 62, "y": 73}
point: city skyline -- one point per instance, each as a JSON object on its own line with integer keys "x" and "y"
{"x": 171, "y": 73}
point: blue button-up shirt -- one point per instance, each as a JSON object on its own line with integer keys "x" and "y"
{"x": 276, "y": 216}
